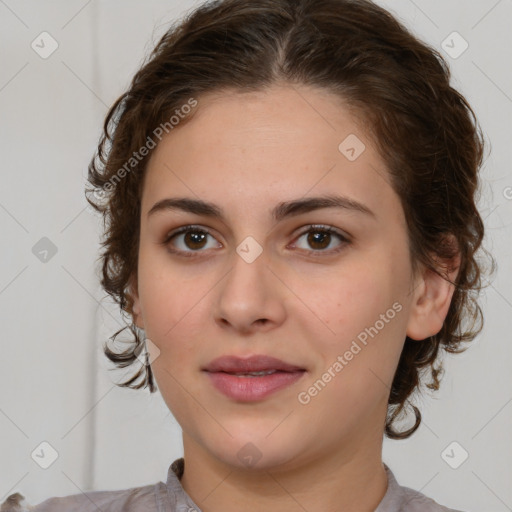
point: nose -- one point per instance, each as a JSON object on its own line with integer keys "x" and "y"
{"x": 250, "y": 297}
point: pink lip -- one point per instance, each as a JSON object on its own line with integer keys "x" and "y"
{"x": 249, "y": 389}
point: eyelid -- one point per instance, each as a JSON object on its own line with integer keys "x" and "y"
{"x": 324, "y": 227}
{"x": 184, "y": 229}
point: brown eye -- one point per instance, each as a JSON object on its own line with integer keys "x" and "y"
{"x": 321, "y": 239}
{"x": 189, "y": 240}
{"x": 318, "y": 239}
{"x": 195, "y": 239}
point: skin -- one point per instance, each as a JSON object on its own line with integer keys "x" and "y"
{"x": 247, "y": 152}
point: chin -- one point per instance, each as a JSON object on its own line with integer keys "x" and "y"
{"x": 258, "y": 452}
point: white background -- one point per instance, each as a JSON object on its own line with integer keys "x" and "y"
{"x": 54, "y": 379}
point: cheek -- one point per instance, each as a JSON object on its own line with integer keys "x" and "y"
{"x": 346, "y": 301}
{"x": 361, "y": 317}
{"x": 169, "y": 298}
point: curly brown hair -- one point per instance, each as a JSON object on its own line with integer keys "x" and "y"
{"x": 425, "y": 131}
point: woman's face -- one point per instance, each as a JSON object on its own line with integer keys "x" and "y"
{"x": 252, "y": 277}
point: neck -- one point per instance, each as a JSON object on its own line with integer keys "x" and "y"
{"x": 348, "y": 479}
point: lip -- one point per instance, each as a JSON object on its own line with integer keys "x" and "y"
{"x": 256, "y": 363}
{"x": 250, "y": 389}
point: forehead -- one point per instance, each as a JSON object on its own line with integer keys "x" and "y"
{"x": 249, "y": 149}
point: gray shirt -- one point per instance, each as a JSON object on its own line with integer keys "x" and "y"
{"x": 171, "y": 497}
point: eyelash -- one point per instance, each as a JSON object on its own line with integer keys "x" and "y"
{"x": 311, "y": 228}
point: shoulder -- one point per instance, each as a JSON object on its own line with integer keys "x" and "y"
{"x": 127, "y": 500}
{"x": 415, "y": 501}
{"x": 404, "y": 499}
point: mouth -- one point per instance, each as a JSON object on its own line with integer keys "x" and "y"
{"x": 251, "y": 379}
{"x": 250, "y": 365}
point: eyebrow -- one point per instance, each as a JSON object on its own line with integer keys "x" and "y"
{"x": 278, "y": 213}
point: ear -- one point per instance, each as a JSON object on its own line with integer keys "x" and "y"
{"x": 432, "y": 298}
{"x": 133, "y": 290}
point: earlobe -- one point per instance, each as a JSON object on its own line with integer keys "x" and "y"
{"x": 136, "y": 309}
{"x": 432, "y": 298}
{"x": 137, "y": 314}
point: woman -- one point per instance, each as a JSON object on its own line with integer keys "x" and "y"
{"x": 289, "y": 189}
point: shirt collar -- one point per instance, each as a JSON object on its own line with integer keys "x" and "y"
{"x": 389, "y": 503}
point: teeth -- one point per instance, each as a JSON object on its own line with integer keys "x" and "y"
{"x": 255, "y": 374}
